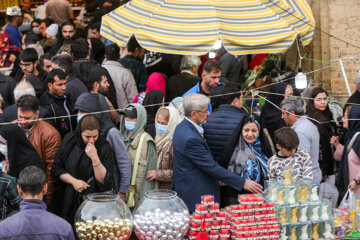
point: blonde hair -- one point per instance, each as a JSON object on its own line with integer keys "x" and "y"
{"x": 165, "y": 113}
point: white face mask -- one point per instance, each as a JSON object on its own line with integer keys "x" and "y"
{"x": 3, "y": 149}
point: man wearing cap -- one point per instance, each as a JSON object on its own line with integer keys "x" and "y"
{"x": 14, "y": 17}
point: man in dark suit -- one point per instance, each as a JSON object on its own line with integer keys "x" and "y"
{"x": 195, "y": 171}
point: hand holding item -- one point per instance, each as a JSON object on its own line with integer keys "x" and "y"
{"x": 352, "y": 185}
{"x": 122, "y": 196}
{"x": 91, "y": 151}
{"x": 252, "y": 186}
{"x": 79, "y": 185}
{"x": 334, "y": 141}
{"x": 151, "y": 175}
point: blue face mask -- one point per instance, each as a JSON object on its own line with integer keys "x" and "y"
{"x": 161, "y": 128}
{"x": 130, "y": 126}
{"x": 79, "y": 117}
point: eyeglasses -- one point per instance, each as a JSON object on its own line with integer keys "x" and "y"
{"x": 204, "y": 111}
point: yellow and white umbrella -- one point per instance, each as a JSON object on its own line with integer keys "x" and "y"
{"x": 192, "y": 27}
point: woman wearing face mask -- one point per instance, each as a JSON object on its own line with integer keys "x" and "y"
{"x": 19, "y": 152}
{"x": 83, "y": 164}
{"x": 246, "y": 154}
{"x": 167, "y": 118}
{"x": 140, "y": 143}
{"x": 349, "y": 154}
{"x": 318, "y": 108}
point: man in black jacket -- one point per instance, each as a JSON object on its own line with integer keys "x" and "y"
{"x": 7, "y": 85}
{"x": 58, "y": 103}
{"x": 74, "y": 86}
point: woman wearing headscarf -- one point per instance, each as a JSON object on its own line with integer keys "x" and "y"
{"x": 349, "y": 154}
{"x": 167, "y": 118}
{"x": 132, "y": 130}
{"x": 156, "y": 81}
{"x": 20, "y": 152}
{"x": 318, "y": 109}
{"x": 245, "y": 154}
{"x": 83, "y": 164}
{"x": 152, "y": 103}
{"x": 270, "y": 117}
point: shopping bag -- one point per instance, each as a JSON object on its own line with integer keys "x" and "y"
{"x": 329, "y": 191}
{"x": 349, "y": 200}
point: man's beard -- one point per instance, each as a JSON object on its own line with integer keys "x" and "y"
{"x": 103, "y": 91}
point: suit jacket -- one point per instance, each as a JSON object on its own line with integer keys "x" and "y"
{"x": 195, "y": 171}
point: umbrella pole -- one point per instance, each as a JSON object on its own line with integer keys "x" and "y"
{"x": 345, "y": 77}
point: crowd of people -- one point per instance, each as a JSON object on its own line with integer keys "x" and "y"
{"x": 81, "y": 115}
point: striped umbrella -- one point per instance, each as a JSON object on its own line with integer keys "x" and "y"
{"x": 193, "y": 26}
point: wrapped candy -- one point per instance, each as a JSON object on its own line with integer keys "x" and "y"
{"x": 108, "y": 228}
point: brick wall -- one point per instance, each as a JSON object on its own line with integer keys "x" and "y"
{"x": 340, "y": 18}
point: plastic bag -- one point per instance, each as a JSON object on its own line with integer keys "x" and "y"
{"x": 329, "y": 191}
{"x": 349, "y": 200}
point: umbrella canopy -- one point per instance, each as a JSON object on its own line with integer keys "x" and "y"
{"x": 193, "y": 26}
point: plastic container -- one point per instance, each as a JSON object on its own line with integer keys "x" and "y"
{"x": 161, "y": 214}
{"x": 103, "y": 216}
{"x": 327, "y": 229}
{"x": 304, "y": 231}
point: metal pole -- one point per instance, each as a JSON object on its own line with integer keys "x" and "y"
{"x": 345, "y": 77}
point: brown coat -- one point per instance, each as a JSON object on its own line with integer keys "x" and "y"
{"x": 46, "y": 140}
{"x": 165, "y": 167}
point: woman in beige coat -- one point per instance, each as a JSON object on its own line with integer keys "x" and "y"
{"x": 167, "y": 118}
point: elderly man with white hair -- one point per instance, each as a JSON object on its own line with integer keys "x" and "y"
{"x": 195, "y": 171}
{"x": 355, "y": 98}
{"x": 188, "y": 77}
{"x": 21, "y": 89}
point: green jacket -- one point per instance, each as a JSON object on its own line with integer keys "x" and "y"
{"x": 148, "y": 156}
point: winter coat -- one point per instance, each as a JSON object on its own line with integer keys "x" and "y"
{"x": 55, "y": 107}
{"x": 148, "y": 154}
{"x": 46, "y": 141}
{"x": 220, "y": 126}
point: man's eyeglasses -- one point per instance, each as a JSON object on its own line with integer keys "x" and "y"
{"x": 204, "y": 111}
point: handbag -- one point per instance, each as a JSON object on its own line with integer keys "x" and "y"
{"x": 130, "y": 196}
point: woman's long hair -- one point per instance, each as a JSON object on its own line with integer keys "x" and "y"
{"x": 321, "y": 116}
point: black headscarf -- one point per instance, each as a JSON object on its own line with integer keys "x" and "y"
{"x": 235, "y": 137}
{"x": 21, "y": 152}
{"x": 326, "y": 131}
{"x": 152, "y": 97}
{"x": 353, "y": 99}
{"x": 97, "y": 50}
{"x": 90, "y": 102}
{"x": 270, "y": 117}
{"x": 228, "y": 194}
{"x": 342, "y": 180}
{"x": 71, "y": 158}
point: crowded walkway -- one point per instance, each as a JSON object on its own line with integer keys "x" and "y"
{"x": 86, "y": 115}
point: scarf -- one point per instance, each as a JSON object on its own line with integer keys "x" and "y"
{"x": 248, "y": 160}
{"x": 174, "y": 120}
{"x": 342, "y": 180}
